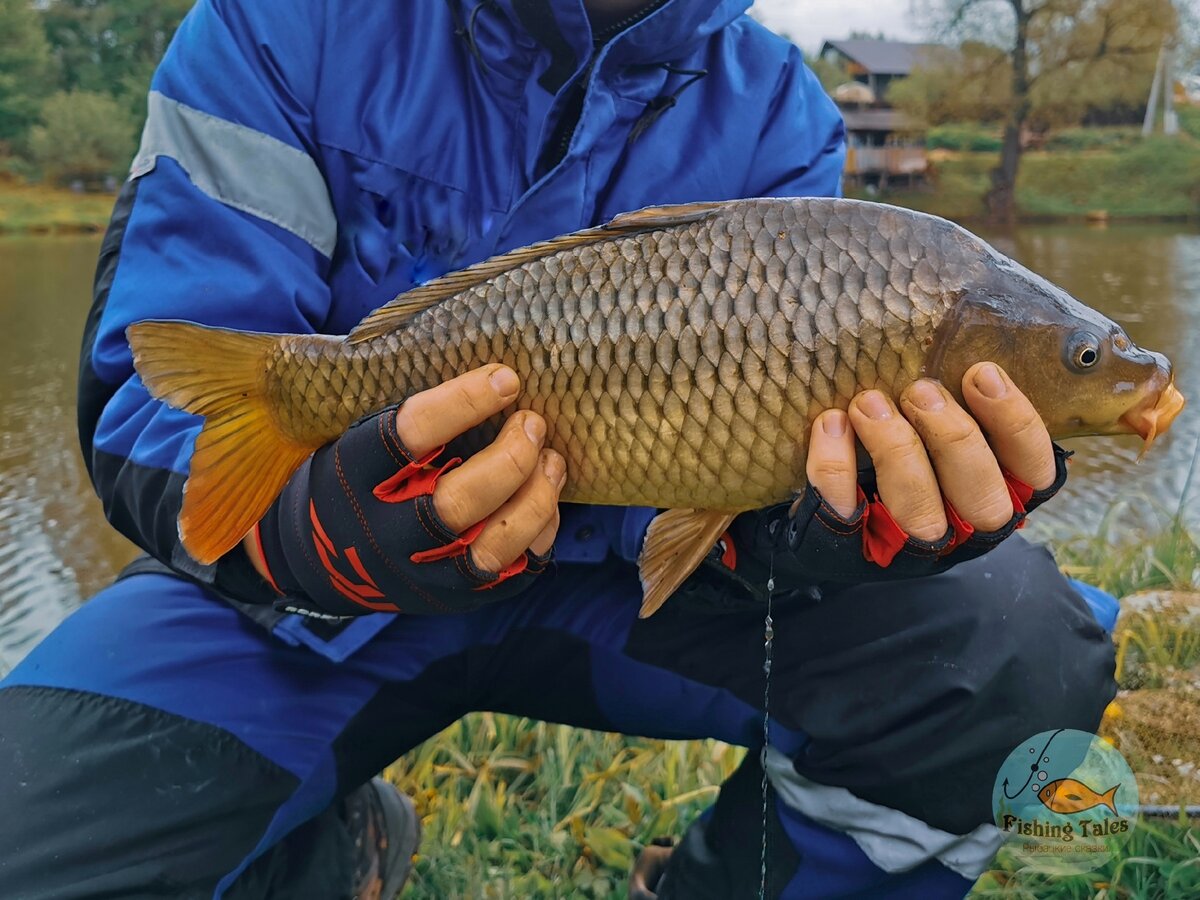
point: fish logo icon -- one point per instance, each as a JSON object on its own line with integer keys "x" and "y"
{"x": 1069, "y": 795}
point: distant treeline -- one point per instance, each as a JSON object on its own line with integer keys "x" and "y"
{"x": 73, "y": 81}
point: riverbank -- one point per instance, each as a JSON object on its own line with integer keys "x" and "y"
{"x": 38, "y": 209}
{"x": 1153, "y": 179}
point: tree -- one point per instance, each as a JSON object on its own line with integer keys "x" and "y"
{"x": 83, "y": 136}
{"x": 24, "y": 67}
{"x": 829, "y": 72}
{"x": 969, "y": 83}
{"x": 1048, "y": 37}
{"x": 111, "y": 46}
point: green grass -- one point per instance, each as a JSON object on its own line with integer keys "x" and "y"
{"x": 1127, "y": 177}
{"x": 516, "y": 808}
{"x": 37, "y": 209}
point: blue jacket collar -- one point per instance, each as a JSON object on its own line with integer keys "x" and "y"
{"x": 561, "y": 28}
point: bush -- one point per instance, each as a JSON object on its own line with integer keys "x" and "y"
{"x": 1092, "y": 138}
{"x": 84, "y": 136}
{"x": 963, "y": 136}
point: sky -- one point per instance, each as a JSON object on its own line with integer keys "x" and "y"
{"x": 810, "y": 22}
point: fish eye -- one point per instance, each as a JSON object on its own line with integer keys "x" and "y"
{"x": 1083, "y": 350}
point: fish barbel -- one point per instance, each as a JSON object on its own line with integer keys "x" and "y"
{"x": 678, "y": 355}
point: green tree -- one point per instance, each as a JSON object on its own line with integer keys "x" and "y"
{"x": 111, "y": 46}
{"x": 828, "y": 72}
{"x": 1097, "y": 42}
{"x": 24, "y": 68}
{"x": 969, "y": 83}
{"x": 83, "y": 136}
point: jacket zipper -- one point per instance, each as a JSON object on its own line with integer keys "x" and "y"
{"x": 556, "y": 150}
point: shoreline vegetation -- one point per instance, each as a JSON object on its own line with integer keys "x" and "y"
{"x": 36, "y": 209}
{"x": 1154, "y": 179}
{"x": 518, "y": 808}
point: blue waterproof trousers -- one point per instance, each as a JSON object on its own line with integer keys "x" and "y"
{"x": 160, "y": 744}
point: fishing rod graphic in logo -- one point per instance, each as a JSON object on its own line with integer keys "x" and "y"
{"x": 1066, "y": 800}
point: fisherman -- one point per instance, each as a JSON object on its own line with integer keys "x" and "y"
{"x": 211, "y": 730}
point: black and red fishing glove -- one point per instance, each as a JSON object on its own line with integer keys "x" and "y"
{"x": 818, "y": 548}
{"x": 355, "y": 532}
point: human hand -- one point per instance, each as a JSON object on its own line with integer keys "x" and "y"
{"x": 931, "y": 452}
{"x": 946, "y": 485}
{"x": 371, "y": 523}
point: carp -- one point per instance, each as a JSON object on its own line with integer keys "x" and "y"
{"x": 678, "y": 355}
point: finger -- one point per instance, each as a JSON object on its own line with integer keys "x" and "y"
{"x": 541, "y": 544}
{"x": 1015, "y": 430}
{"x": 907, "y": 484}
{"x": 965, "y": 466}
{"x": 832, "y": 467}
{"x": 436, "y": 416}
{"x": 479, "y": 486}
{"x": 523, "y": 517}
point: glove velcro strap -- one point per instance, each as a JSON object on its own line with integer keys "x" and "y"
{"x": 457, "y": 547}
{"x": 882, "y": 535}
{"x": 514, "y": 568}
{"x": 414, "y": 480}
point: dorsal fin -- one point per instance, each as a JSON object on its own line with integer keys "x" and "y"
{"x": 399, "y": 311}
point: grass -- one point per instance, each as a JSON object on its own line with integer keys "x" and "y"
{"x": 516, "y": 808}
{"x": 1126, "y": 177}
{"x": 38, "y": 209}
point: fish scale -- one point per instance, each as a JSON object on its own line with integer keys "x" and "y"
{"x": 678, "y": 355}
{"x": 674, "y": 367}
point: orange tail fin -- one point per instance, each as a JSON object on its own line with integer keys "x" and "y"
{"x": 1109, "y": 799}
{"x": 242, "y": 458}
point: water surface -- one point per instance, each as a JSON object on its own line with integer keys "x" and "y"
{"x": 56, "y": 549}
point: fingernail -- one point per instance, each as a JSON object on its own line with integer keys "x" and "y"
{"x": 505, "y": 381}
{"x": 925, "y": 395}
{"x": 990, "y": 382}
{"x": 555, "y": 469}
{"x": 833, "y": 423}
{"x": 535, "y": 427}
{"x": 874, "y": 405}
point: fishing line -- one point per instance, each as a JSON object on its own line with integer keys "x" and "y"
{"x": 768, "y": 651}
{"x": 1033, "y": 770}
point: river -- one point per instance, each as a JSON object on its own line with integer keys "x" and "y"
{"x": 56, "y": 549}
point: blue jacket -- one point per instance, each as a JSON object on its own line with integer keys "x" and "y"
{"x": 300, "y": 169}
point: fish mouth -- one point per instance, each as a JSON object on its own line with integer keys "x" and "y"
{"x": 1149, "y": 420}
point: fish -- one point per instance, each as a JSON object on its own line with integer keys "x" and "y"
{"x": 678, "y": 354}
{"x": 1067, "y": 795}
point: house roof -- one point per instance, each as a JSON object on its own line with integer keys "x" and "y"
{"x": 880, "y": 57}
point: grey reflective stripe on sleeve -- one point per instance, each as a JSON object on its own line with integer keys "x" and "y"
{"x": 892, "y": 840}
{"x": 242, "y": 168}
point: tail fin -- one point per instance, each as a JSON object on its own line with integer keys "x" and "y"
{"x": 242, "y": 458}
{"x": 1109, "y": 799}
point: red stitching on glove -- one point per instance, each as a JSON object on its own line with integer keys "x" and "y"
{"x": 263, "y": 559}
{"x": 457, "y": 547}
{"x": 883, "y": 537}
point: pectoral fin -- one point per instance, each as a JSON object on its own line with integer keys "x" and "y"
{"x": 676, "y": 543}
